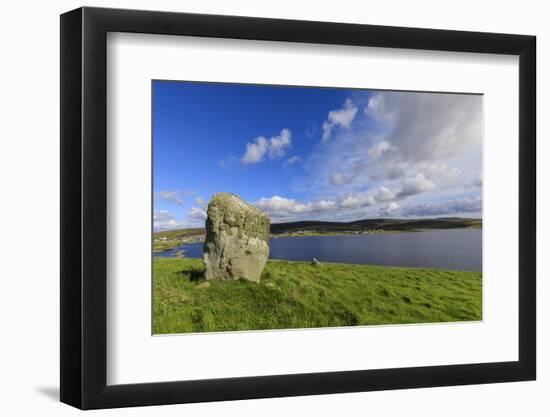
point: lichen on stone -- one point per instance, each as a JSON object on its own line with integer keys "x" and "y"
{"x": 237, "y": 239}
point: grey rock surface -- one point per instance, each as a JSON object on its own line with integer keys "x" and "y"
{"x": 237, "y": 239}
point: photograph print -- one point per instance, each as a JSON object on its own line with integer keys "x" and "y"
{"x": 293, "y": 207}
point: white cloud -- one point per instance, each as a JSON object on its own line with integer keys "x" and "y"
{"x": 323, "y": 205}
{"x": 379, "y": 108}
{"x": 163, "y": 220}
{"x": 377, "y": 150}
{"x": 196, "y": 216}
{"x": 339, "y": 118}
{"x": 455, "y": 206}
{"x": 277, "y": 206}
{"x": 311, "y": 129}
{"x": 358, "y": 206}
{"x": 255, "y": 151}
{"x": 384, "y": 194}
{"x": 293, "y": 160}
{"x": 478, "y": 181}
{"x": 275, "y": 147}
{"x": 381, "y": 202}
{"x": 170, "y": 196}
{"x": 405, "y": 149}
{"x": 200, "y": 201}
{"x": 278, "y": 144}
{"x": 415, "y": 185}
{"x": 424, "y": 126}
{"x": 442, "y": 173}
{"x": 400, "y": 135}
{"x": 338, "y": 178}
{"x": 355, "y": 201}
{"x": 388, "y": 210}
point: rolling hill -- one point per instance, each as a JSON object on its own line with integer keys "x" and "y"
{"x": 383, "y": 225}
{"x": 375, "y": 224}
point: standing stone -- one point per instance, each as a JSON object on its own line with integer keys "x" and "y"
{"x": 237, "y": 239}
{"x": 316, "y": 262}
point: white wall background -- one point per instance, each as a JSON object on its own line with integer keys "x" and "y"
{"x": 29, "y": 175}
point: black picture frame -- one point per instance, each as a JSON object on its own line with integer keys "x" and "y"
{"x": 84, "y": 207}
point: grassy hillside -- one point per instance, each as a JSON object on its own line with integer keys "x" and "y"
{"x": 169, "y": 239}
{"x": 180, "y": 233}
{"x": 375, "y": 224}
{"x": 301, "y": 295}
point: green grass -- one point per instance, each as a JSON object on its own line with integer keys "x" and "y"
{"x": 301, "y": 295}
{"x": 161, "y": 246}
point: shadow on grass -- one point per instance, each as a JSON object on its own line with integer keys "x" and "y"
{"x": 193, "y": 274}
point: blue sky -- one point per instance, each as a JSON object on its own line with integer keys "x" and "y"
{"x": 314, "y": 153}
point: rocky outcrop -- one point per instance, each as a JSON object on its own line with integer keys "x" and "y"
{"x": 237, "y": 239}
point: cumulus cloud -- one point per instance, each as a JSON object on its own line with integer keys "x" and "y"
{"x": 384, "y": 194}
{"x": 278, "y": 144}
{"x": 338, "y": 178}
{"x": 293, "y": 160}
{"x": 396, "y": 136}
{"x": 388, "y": 210}
{"x": 311, "y": 129}
{"x": 196, "y": 216}
{"x": 364, "y": 205}
{"x": 166, "y": 220}
{"x": 424, "y": 126}
{"x": 357, "y": 200}
{"x": 442, "y": 173}
{"x": 415, "y": 185}
{"x": 454, "y": 206}
{"x": 170, "y": 196}
{"x": 339, "y": 118}
{"x": 163, "y": 219}
{"x": 283, "y": 206}
{"x": 275, "y": 147}
{"x": 378, "y": 149}
{"x": 255, "y": 151}
{"x": 277, "y": 206}
{"x": 405, "y": 130}
{"x": 478, "y": 180}
{"x": 404, "y": 154}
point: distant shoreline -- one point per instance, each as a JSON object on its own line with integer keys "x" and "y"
{"x": 374, "y": 232}
{"x": 169, "y": 239}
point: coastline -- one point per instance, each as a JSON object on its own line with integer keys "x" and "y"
{"x": 162, "y": 245}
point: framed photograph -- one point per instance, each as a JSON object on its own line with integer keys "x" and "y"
{"x": 258, "y": 208}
